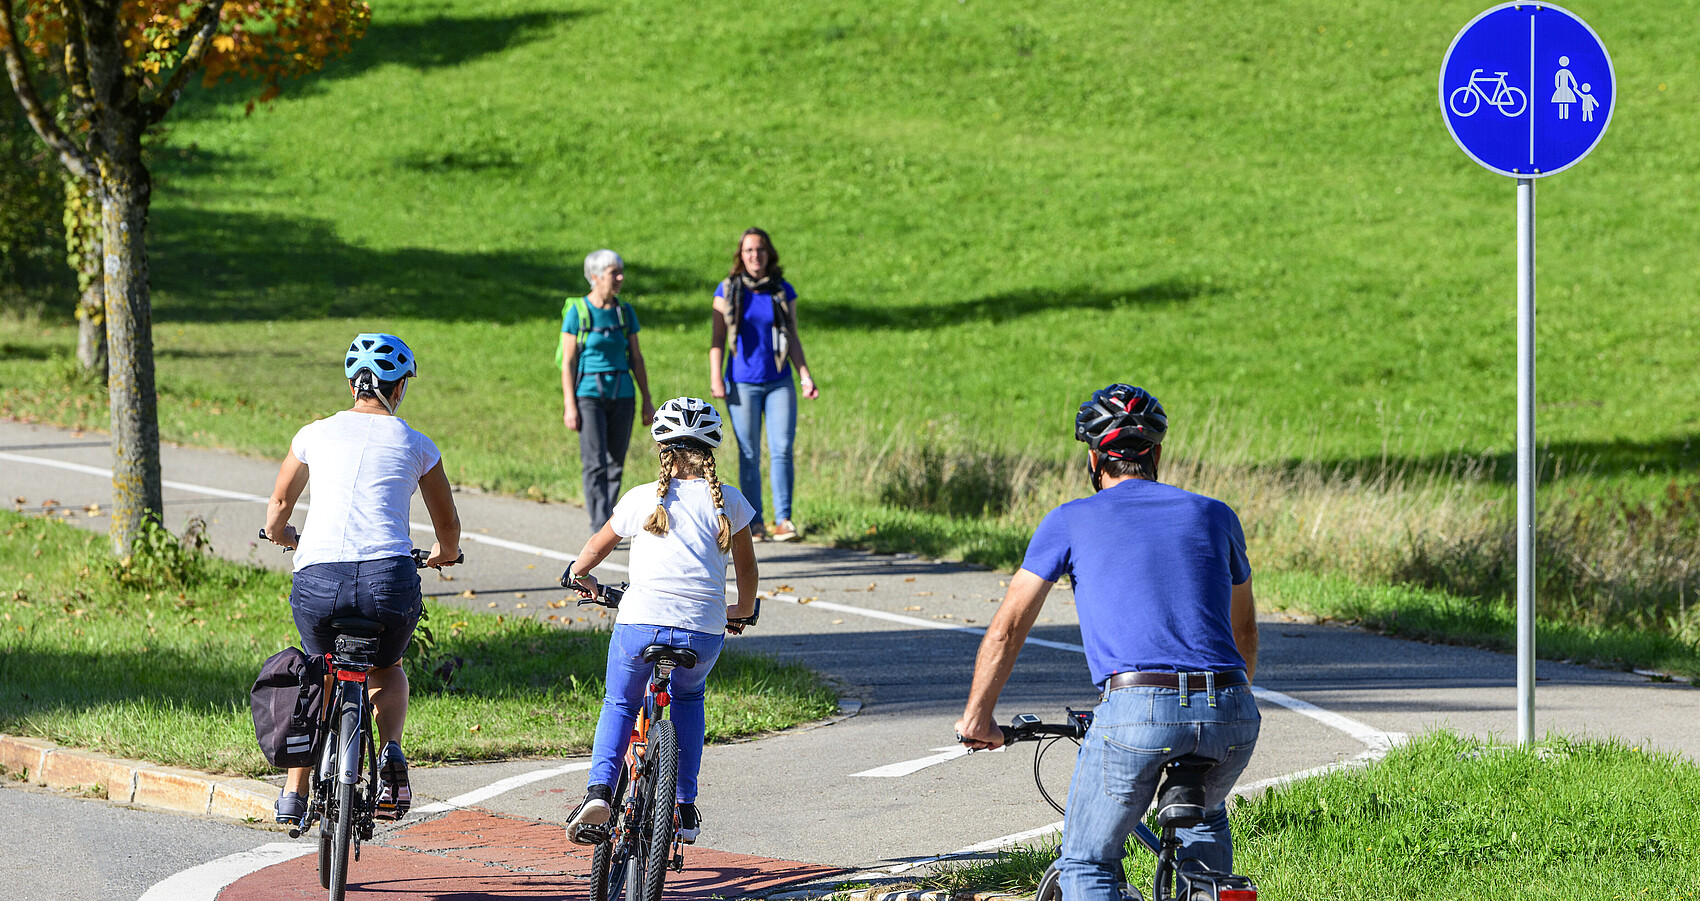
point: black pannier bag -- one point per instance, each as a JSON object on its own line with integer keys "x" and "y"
{"x": 288, "y": 700}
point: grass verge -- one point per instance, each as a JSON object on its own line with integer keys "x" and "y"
{"x": 1448, "y": 817}
{"x": 92, "y": 657}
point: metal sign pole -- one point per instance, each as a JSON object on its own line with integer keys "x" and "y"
{"x": 1525, "y": 460}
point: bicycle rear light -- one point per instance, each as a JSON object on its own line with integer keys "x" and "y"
{"x": 1237, "y": 894}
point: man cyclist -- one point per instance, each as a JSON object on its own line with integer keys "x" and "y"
{"x": 354, "y": 556}
{"x": 1163, "y": 590}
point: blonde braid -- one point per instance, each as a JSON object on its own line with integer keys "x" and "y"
{"x": 724, "y": 539}
{"x": 657, "y": 522}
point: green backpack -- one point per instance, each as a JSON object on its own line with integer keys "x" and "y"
{"x": 582, "y": 305}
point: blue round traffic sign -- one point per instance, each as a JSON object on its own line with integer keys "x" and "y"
{"x": 1527, "y": 89}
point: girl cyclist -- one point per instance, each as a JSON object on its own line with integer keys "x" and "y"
{"x": 682, "y": 528}
{"x": 354, "y": 557}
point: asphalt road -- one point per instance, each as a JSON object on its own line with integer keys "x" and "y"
{"x": 897, "y": 632}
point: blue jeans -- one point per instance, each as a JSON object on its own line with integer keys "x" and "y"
{"x": 627, "y": 677}
{"x": 746, "y": 403}
{"x": 1134, "y": 732}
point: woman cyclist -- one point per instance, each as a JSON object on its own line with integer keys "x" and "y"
{"x": 682, "y": 526}
{"x": 354, "y": 557}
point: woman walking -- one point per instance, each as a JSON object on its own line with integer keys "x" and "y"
{"x": 757, "y": 310}
{"x": 601, "y": 365}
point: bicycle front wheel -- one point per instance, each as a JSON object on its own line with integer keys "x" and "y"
{"x": 340, "y": 843}
{"x": 663, "y": 789}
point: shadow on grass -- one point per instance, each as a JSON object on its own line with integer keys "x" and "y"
{"x": 434, "y": 43}
{"x": 242, "y": 267}
{"x": 1002, "y": 307}
{"x": 1676, "y": 458}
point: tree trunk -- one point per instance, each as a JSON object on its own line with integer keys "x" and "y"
{"x": 119, "y": 121}
{"x": 136, "y": 490}
{"x": 82, "y": 247}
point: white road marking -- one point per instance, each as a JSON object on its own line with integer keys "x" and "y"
{"x": 204, "y": 882}
{"x": 894, "y": 770}
{"x": 502, "y": 786}
{"x": 258, "y": 499}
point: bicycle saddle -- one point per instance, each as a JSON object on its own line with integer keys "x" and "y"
{"x": 1180, "y": 800}
{"x": 658, "y": 653}
{"x": 357, "y": 626}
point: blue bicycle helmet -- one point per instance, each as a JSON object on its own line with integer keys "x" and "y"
{"x": 385, "y": 356}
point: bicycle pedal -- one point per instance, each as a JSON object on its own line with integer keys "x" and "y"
{"x": 678, "y": 864}
{"x": 295, "y": 832}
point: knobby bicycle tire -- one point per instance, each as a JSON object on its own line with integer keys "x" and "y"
{"x": 603, "y": 864}
{"x": 663, "y": 789}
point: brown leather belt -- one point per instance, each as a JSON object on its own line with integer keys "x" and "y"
{"x": 1195, "y": 681}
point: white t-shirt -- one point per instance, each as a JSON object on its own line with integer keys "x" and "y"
{"x": 678, "y": 580}
{"x": 362, "y": 470}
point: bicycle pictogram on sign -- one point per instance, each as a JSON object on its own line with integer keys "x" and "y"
{"x": 1468, "y": 98}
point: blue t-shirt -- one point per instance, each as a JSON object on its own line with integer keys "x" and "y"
{"x": 604, "y": 359}
{"x": 1154, "y": 568}
{"x": 751, "y": 361}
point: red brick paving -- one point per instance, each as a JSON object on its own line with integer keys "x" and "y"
{"x": 473, "y": 855}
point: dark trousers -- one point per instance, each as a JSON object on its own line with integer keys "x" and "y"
{"x": 605, "y": 431}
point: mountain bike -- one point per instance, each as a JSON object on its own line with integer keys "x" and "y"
{"x": 1180, "y": 805}
{"x": 344, "y": 785}
{"x": 640, "y": 842}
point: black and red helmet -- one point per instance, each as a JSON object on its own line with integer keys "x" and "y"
{"x": 1121, "y": 421}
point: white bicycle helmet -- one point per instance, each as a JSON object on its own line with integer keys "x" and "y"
{"x": 386, "y": 356}
{"x": 687, "y": 418}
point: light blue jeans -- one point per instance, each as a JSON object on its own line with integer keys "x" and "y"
{"x": 747, "y": 403}
{"x": 627, "y": 677}
{"x": 1134, "y": 732}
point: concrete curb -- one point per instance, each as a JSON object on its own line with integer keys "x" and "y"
{"x": 136, "y": 783}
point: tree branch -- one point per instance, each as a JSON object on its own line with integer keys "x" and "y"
{"x": 76, "y": 60}
{"x": 70, "y": 155}
{"x": 205, "y": 25}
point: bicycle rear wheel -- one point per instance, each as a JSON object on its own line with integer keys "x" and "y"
{"x": 1050, "y": 886}
{"x": 662, "y": 790}
{"x": 339, "y": 844}
{"x": 607, "y": 866}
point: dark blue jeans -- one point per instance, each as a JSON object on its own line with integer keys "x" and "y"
{"x": 385, "y": 590}
{"x": 1134, "y": 732}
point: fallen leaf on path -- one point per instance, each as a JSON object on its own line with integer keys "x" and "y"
{"x": 785, "y": 588}
{"x": 469, "y": 593}
{"x": 912, "y": 607}
{"x": 521, "y": 604}
{"x": 870, "y": 586}
{"x": 910, "y": 579}
{"x": 923, "y": 594}
{"x": 531, "y": 566}
{"x": 519, "y": 594}
{"x": 838, "y": 622}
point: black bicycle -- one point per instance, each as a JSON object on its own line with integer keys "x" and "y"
{"x": 344, "y": 798}
{"x": 1180, "y": 805}
{"x": 641, "y": 842}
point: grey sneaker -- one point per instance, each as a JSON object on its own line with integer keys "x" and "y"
{"x": 291, "y": 808}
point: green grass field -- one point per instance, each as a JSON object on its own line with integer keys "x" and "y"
{"x": 162, "y": 671}
{"x": 988, "y": 210}
{"x": 1445, "y": 818}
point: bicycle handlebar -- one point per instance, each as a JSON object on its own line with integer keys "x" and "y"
{"x": 419, "y": 556}
{"x": 611, "y": 595}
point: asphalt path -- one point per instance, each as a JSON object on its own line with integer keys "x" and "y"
{"x": 881, "y": 790}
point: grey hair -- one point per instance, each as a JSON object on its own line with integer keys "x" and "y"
{"x": 601, "y": 261}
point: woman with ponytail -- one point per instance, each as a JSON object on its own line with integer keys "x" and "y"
{"x": 683, "y": 527}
